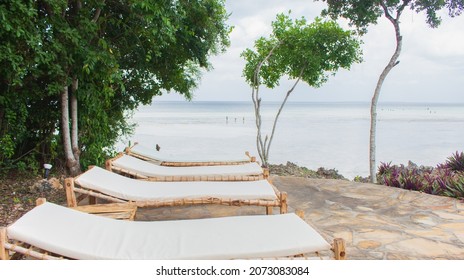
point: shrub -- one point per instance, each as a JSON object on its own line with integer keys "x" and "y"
{"x": 456, "y": 162}
{"x": 446, "y": 179}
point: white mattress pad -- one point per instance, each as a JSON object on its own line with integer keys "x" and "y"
{"x": 152, "y": 170}
{"x": 78, "y": 235}
{"x": 164, "y": 157}
{"x": 126, "y": 188}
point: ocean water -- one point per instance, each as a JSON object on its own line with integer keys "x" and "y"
{"x": 330, "y": 135}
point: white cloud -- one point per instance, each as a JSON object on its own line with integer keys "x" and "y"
{"x": 431, "y": 68}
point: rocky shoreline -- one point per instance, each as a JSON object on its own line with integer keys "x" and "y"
{"x": 292, "y": 169}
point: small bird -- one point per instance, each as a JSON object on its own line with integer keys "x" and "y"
{"x": 158, "y": 147}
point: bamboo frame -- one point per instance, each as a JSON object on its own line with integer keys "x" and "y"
{"x": 72, "y": 188}
{"x": 13, "y": 248}
{"x": 218, "y": 178}
{"x": 129, "y": 151}
{"x": 118, "y": 209}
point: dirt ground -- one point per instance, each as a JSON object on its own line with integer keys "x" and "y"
{"x": 18, "y": 193}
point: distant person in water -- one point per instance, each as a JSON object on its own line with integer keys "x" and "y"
{"x": 158, "y": 147}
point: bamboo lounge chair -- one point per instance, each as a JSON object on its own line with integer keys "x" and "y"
{"x": 50, "y": 231}
{"x": 100, "y": 183}
{"x": 145, "y": 153}
{"x": 141, "y": 169}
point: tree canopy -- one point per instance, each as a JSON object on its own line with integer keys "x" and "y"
{"x": 112, "y": 55}
{"x": 299, "y": 50}
{"x": 308, "y": 51}
{"x": 362, "y": 13}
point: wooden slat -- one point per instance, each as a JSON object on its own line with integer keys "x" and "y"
{"x": 31, "y": 252}
{"x": 106, "y": 208}
{"x": 124, "y": 211}
{"x": 99, "y": 195}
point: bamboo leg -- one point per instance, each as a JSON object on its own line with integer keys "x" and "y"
{"x": 132, "y": 216}
{"x": 3, "y": 240}
{"x": 269, "y": 210}
{"x": 300, "y": 213}
{"x": 266, "y": 173}
{"x": 283, "y": 201}
{"x": 40, "y": 201}
{"x": 339, "y": 249}
{"x": 108, "y": 165}
{"x": 70, "y": 194}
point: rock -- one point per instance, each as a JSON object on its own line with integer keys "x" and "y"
{"x": 369, "y": 244}
{"x": 292, "y": 169}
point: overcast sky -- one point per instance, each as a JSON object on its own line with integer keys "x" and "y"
{"x": 431, "y": 65}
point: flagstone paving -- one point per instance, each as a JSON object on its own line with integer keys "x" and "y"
{"x": 377, "y": 222}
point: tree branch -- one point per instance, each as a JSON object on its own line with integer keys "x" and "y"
{"x": 399, "y": 11}
{"x": 401, "y": 8}
{"x": 281, "y": 107}
{"x": 97, "y": 13}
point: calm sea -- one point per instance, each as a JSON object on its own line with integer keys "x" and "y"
{"x": 330, "y": 135}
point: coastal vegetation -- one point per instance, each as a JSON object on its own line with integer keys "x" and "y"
{"x": 363, "y": 13}
{"x": 301, "y": 51}
{"x": 447, "y": 179}
{"x": 72, "y": 71}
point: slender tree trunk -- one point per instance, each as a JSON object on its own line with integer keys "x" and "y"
{"x": 72, "y": 163}
{"x": 260, "y": 145}
{"x": 264, "y": 146}
{"x": 74, "y": 120}
{"x": 392, "y": 63}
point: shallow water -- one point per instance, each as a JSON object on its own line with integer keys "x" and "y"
{"x": 331, "y": 135}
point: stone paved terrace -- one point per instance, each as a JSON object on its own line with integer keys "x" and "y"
{"x": 377, "y": 222}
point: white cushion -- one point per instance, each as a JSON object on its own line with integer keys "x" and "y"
{"x": 78, "y": 235}
{"x": 163, "y": 157}
{"x": 152, "y": 170}
{"x": 136, "y": 190}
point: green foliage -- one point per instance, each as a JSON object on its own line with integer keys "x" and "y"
{"x": 310, "y": 51}
{"x": 122, "y": 53}
{"x": 362, "y": 13}
{"x": 455, "y": 186}
{"x": 299, "y": 50}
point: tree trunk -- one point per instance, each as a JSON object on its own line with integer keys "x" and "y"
{"x": 74, "y": 119}
{"x": 265, "y": 146}
{"x": 392, "y": 63}
{"x": 260, "y": 145}
{"x": 72, "y": 164}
